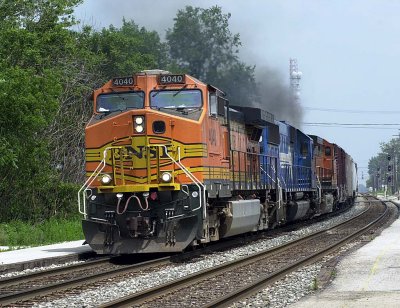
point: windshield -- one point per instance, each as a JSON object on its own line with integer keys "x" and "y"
{"x": 111, "y": 102}
{"x": 176, "y": 99}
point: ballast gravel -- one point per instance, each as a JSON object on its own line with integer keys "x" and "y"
{"x": 291, "y": 289}
{"x": 38, "y": 269}
{"x": 282, "y": 293}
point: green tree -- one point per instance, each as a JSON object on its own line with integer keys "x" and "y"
{"x": 35, "y": 41}
{"x": 128, "y": 49}
{"x": 381, "y": 163}
{"x": 239, "y": 84}
{"x": 81, "y": 71}
{"x": 201, "y": 44}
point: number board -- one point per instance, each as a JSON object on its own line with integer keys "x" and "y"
{"x": 170, "y": 79}
{"x": 123, "y": 81}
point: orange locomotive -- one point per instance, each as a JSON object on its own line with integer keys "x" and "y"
{"x": 157, "y": 155}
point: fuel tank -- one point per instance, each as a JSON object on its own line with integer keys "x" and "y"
{"x": 240, "y": 217}
{"x": 326, "y": 204}
{"x": 297, "y": 210}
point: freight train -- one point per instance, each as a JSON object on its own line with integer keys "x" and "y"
{"x": 170, "y": 164}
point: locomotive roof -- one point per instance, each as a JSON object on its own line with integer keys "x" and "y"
{"x": 255, "y": 116}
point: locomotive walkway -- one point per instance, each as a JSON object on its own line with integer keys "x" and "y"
{"x": 368, "y": 277}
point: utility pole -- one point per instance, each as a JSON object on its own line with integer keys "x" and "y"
{"x": 394, "y": 169}
{"x": 377, "y": 179}
{"x": 395, "y": 186}
{"x": 295, "y": 76}
{"x": 389, "y": 178}
{"x": 396, "y": 160}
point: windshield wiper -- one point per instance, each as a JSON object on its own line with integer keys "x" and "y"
{"x": 182, "y": 110}
{"x": 177, "y": 92}
{"x": 171, "y": 108}
{"x": 119, "y": 95}
{"x": 191, "y": 110}
{"x": 164, "y": 108}
{"x": 106, "y": 113}
{"x": 156, "y": 93}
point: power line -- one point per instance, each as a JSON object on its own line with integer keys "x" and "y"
{"x": 351, "y": 124}
{"x": 352, "y": 110}
{"x": 347, "y": 127}
{"x": 354, "y": 125}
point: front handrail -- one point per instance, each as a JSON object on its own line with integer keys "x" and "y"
{"x": 319, "y": 187}
{"x": 266, "y": 173}
{"x": 280, "y": 189}
{"x": 81, "y": 193}
{"x": 200, "y": 186}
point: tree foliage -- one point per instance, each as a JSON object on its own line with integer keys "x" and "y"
{"x": 201, "y": 44}
{"x": 35, "y": 39}
{"x": 379, "y": 165}
{"x": 128, "y": 49}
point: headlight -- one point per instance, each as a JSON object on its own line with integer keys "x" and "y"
{"x": 139, "y": 128}
{"x": 166, "y": 177}
{"x": 139, "y": 120}
{"x": 105, "y": 179}
{"x": 139, "y": 124}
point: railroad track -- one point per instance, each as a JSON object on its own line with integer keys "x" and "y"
{"x": 230, "y": 282}
{"x": 15, "y": 290}
{"x": 48, "y": 285}
{"x": 23, "y": 290}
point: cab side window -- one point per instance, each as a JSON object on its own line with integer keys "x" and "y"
{"x": 212, "y": 104}
{"x": 304, "y": 149}
{"x": 327, "y": 151}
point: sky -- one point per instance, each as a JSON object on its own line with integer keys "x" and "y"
{"x": 347, "y": 50}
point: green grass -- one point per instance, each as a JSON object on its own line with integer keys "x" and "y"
{"x": 314, "y": 284}
{"x": 18, "y": 233}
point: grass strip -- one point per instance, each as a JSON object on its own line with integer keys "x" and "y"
{"x": 55, "y": 230}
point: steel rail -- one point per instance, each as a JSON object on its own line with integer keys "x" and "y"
{"x": 19, "y": 279}
{"x": 260, "y": 284}
{"x": 148, "y": 294}
{"x": 76, "y": 282}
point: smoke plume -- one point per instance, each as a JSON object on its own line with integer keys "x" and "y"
{"x": 276, "y": 97}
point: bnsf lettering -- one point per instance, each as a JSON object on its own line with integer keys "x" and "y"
{"x": 140, "y": 152}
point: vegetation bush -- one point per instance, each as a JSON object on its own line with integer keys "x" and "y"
{"x": 17, "y": 233}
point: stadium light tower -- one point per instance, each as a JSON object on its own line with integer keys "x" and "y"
{"x": 295, "y": 76}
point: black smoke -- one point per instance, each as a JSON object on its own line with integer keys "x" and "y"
{"x": 276, "y": 97}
